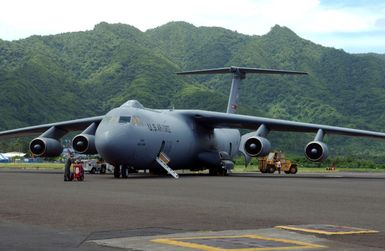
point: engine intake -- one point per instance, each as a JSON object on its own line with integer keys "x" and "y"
{"x": 316, "y": 151}
{"x": 45, "y": 147}
{"x": 257, "y": 146}
{"x": 84, "y": 143}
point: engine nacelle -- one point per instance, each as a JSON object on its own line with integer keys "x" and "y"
{"x": 84, "y": 143}
{"x": 45, "y": 147}
{"x": 257, "y": 146}
{"x": 316, "y": 151}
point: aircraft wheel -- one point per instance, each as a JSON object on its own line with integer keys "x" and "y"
{"x": 293, "y": 169}
{"x": 217, "y": 171}
{"x": 117, "y": 172}
{"x": 222, "y": 172}
{"x": 103, "y": 169}
{"x": 212, "y": 171}
{"x": 124, "y": 172}
{"x": 271, "y": 169}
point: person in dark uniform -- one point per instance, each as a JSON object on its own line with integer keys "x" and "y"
{"x": 67, "y": 169}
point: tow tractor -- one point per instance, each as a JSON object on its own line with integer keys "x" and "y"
{"x": 267, "y": 163}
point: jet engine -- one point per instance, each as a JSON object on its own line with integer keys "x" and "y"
{"x": 316, "y": 151}
{"x": 45, "y": 147}
{"x": 257, "y": 146}
{"x": 84, "y": 143}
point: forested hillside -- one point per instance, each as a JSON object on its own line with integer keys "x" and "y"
{"x": 72, "y": 75}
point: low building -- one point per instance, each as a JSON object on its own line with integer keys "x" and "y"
{"x": 3, "y": 159}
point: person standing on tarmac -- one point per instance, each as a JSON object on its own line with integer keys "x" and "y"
{"x": 278, "y": 165}
{"x": 67, "y": 169}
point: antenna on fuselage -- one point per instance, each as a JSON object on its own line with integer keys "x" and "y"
{"x": 239, "y": 73}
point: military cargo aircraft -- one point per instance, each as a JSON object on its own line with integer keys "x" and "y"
{"x": 132, "y": 137}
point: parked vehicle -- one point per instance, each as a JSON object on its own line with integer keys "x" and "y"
{"x": 95, "y": 166}
{"x": 267, "y": 164}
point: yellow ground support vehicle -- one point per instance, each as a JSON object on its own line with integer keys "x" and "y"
{"x": 267, "y": 164}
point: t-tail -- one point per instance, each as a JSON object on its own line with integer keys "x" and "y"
{"x": 239, "y": 73}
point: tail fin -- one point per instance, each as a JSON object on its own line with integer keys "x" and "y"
{"x": 239, "y": 73}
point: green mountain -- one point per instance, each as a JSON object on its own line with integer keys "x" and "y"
{"x": 73, "y": 75}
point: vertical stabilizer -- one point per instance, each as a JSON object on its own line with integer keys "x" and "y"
{"x": 232, "y": 104}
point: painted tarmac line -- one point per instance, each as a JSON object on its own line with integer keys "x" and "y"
{"x": 226, "y": 240}
{"x": 331, "y": 229}
{"x": 260, "y": 243}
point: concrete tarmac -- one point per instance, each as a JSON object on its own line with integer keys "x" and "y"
{"x": 39, "y": 211}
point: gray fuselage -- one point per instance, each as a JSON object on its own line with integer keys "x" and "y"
{"x": 134, "y": 136}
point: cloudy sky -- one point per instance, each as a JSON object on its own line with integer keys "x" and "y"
{"x": 353, "y": 25}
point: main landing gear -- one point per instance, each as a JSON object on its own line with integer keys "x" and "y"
{"x": 217, "y": 171}
{"x": 123, "y": 171}
{"x": 116, "y": 172}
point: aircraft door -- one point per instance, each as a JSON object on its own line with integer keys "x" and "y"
{"x": 166, "y": 147}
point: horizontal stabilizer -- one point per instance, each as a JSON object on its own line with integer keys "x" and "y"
{"x": 240, "y": 71}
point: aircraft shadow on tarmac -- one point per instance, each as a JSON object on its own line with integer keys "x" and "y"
{"x": 255, "y": 175}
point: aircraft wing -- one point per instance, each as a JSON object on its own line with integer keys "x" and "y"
{"x": 66, "y": 126}
{"x": 227, "y": 120}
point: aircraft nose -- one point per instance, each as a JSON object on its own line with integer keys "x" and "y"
{"x": 113, "y": 145}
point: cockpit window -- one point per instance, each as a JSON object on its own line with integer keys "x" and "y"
{"x": 124, "y": 119}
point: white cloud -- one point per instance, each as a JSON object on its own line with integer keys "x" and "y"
{"x": 309, "y": 18}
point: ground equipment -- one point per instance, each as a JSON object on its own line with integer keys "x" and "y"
{"x": 78, "y": 172}
{"x": 268, "y": 163}
{"x": 95, "y": 166}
